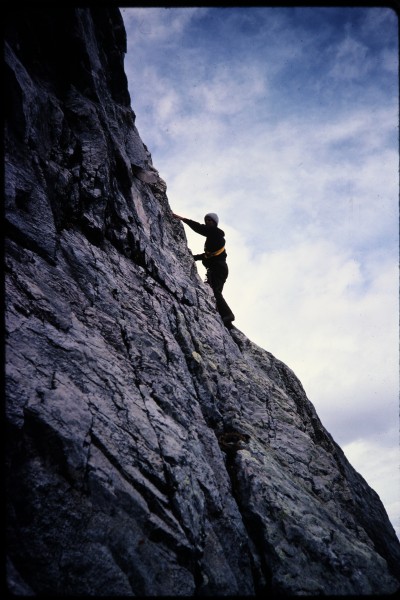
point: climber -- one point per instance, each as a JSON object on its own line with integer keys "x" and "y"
{"x": 214, "y": 260}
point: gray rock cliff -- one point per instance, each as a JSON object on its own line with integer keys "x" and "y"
{"x": 149, "y": 450}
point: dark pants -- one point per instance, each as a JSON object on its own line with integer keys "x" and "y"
{"x": 217, "y": 274}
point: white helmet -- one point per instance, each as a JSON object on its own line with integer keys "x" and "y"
{"x": 212, "y": 216}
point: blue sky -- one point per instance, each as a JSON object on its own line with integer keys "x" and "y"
{"x": 284, "y": 121}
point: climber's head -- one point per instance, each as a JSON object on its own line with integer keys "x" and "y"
{"x": 211, "y": 219}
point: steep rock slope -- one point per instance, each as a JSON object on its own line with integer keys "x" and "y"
{"x": 149, "y": 450}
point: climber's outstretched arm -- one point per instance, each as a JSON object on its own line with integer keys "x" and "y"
{"x": 197, "y": 227}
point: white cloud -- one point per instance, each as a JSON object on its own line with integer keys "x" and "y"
{"x": 231, "y": 90}
{"x": 152, "y": 24}
{"x": 383, "y": 470}
{"x": 351, "y": 60}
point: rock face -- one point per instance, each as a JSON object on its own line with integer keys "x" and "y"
{"x": 150, "y": 451}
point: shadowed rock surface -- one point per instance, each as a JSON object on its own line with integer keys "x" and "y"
{"x": 150, "y": 451}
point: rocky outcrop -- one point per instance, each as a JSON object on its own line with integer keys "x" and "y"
{"x": 149, "y": 450}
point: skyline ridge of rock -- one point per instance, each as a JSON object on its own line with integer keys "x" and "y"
{"x": 149, "y": 451}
